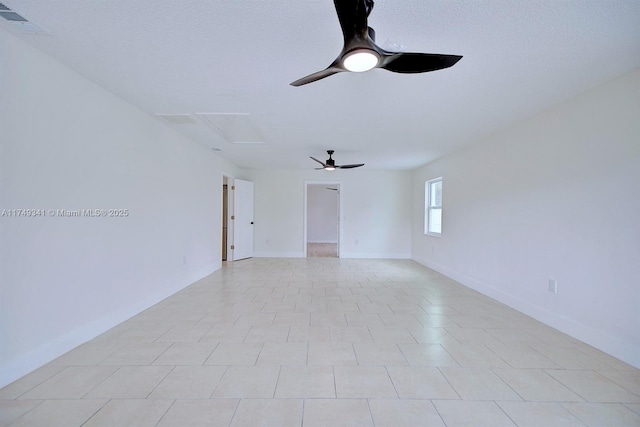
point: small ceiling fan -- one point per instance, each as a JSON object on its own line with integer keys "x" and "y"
{"x": 360, "y": 53}
{"x": 330, "y": 164}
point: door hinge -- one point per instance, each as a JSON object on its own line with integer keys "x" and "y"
{"x": 232, "y": 247}
{"x": 233, "y": 187}
{"x": 233, "y": 217}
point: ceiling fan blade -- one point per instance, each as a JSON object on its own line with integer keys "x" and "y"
{"x": 323, "y": 165}
{"x": 401, "y": 62}
{"x": 350, "y": 166}
{"x": 352, "y": 15}
{"x": 330, "y": 71}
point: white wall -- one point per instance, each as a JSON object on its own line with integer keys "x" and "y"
{"x": 558, "y": 197}
{"x": 322, "y": 214}
{"x": 68, "y": 144}
{"x": 376, "y": 208}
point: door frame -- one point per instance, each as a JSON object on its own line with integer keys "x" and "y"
{"x": 340, "y": 216}
{"x": 227, "y": 180}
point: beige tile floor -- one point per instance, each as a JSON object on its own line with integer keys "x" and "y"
{"x": 327, "y": 342}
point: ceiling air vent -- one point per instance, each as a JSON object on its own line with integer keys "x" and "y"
{"x": 9, "y": 15}
{"x": 12, "y": 16}
{"x": 19, "y": 21}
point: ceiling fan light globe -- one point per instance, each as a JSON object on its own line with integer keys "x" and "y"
{"x": 360, "y": 60}
{"x": 330, "y": 168}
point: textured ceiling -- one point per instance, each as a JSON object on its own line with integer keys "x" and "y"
{"x": 199, "y": 57}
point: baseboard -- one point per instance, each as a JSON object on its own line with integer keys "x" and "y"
{"x": 278, "y": 254}
{"x": 367, "y": 255}
{"x": 55, "y": 348}
{"x": 625, "y": 351}
{"x": 342, "y": 255}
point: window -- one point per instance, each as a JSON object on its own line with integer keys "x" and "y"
{"x": 433, "y": 207}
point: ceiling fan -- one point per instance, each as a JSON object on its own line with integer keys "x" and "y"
{"x": 330, "y": 164}
{"x": 360, "y": 53}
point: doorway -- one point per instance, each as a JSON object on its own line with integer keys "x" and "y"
{"x": 322, "y": 219}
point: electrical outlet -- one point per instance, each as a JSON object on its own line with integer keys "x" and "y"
{"x": 553, "y": 286}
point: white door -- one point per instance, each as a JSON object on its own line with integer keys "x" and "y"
{"x": 243, "y": 219}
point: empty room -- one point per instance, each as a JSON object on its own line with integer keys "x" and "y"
{"x": 319, "y": 213}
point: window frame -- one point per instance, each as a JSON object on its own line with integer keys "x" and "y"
{"x": 428, "y": 208}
